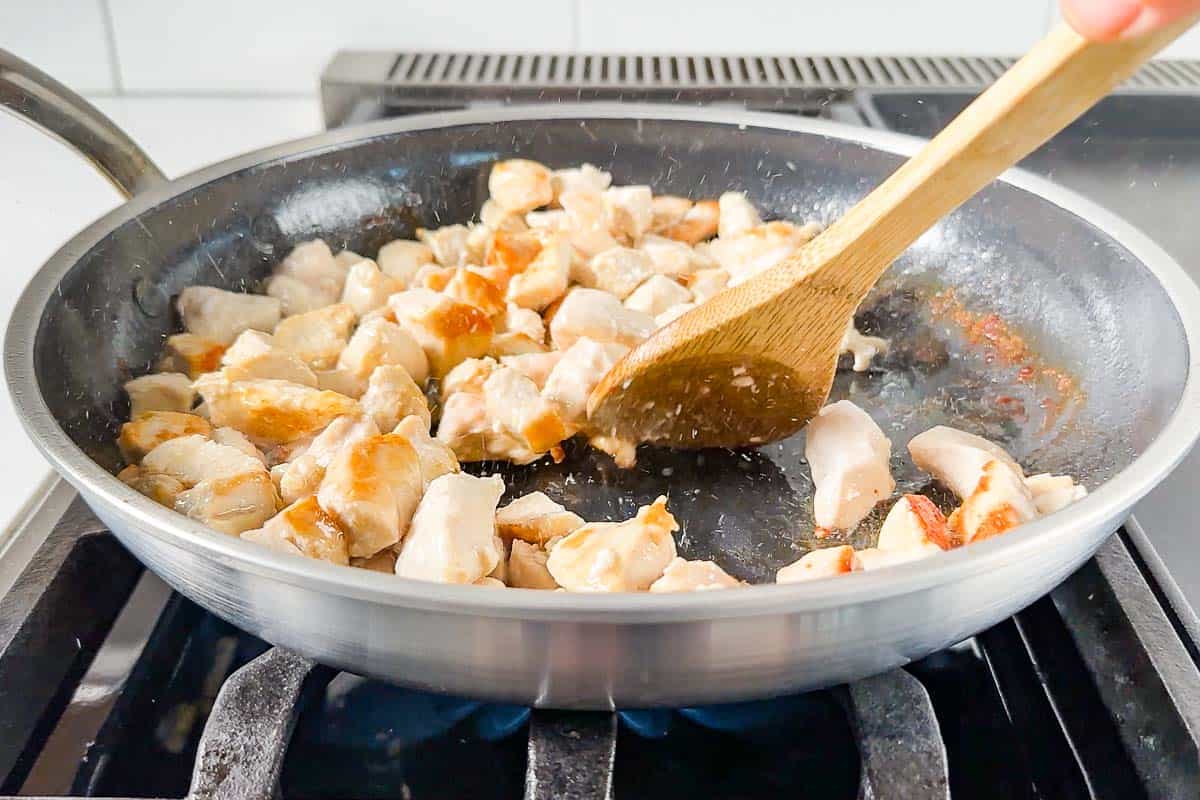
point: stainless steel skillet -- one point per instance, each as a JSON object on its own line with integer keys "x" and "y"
{"x": 1030, "y": 315}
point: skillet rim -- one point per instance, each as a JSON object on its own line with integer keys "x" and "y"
{"x": 1115, "y": 496}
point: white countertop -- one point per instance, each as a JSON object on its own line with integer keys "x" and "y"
{"x": 47, "y": 194}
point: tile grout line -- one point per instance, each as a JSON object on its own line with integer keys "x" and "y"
{"x": 114, "y": 59}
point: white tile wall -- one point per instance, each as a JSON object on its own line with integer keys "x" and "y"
{"x": 66, "y": 38}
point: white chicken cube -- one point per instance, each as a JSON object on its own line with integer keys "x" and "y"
{"x": 524, "y": 321}
{"x": 191, "y": 354}
{"x": 317, "y": 337}
{"x": 519, "y": 185}
{"x": 468, "y": 376}
{"x": 848, "y": 455}
{"x": 599, "y": 316}
{"x": 303, "y": 529}
{"x": 453, "y": 534}
{"x": 466, "y": 285}
{"x": 1001, "y": 501}
{"x": 194, "y": 458}
{"x": 372, "y": 487}
{"x": 585, "y": 177}
{"x": 435, "y": 457}
{"x": 737, "y": 215}
{"x": 238, "y": 441}
{"x": 618, "y": 271}
{"x": 577, "y": 373}
{"x": 400, "y": 259}
{"x": 313, "y": 263}
{"x": 682, "y": 575}
{"x": 915, "y": 525}
{"x": 584, "y": 224}
{"x": 1053, "y": 493}
{"x": 220, "y": 316}
{"x": 230, "y": 504}
{"x": 629, "y": 211}
{"x": 671, "y": 258}
{"x": 448, "y": 244}
{"x": 616, "y": 557}
{"x": 545, "y": 279}
{"x": 377, "y": 343}
{"x": 147, "y": 431}
{"x": 957, "y": 458}
{"x": 535, "y": 366}
{"x": 295, "y": 296}
{"x": 705, "y": 283}
{"x": 392, "y": 395}
{"x": 304, "y": 474}
{"x": 698, "y": 224}
{"x": 823, "y": 563}
{"x": 448, "y": 331}
{"x": 164, "y": 391}
{"x": 271, "y": 411}
{"x": 515, "y": 404}
{"x": 536, "y": 519}
{"x": 367, "y": 287}
{"x": 254, "y": 355}
{"x": 656, "y": 294}
{"x": 753, "y": 252}
{"x": 162, "y": 489}
{"x": 527, "y": 567}
{"x": 667, "y": 210}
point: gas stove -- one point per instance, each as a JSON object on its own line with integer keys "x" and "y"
{"x": 112, "y": 686}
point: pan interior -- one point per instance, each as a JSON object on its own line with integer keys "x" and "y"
{"x": 1013, "y": 318}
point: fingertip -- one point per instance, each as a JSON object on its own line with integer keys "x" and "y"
{"x": 1101, "y": 21}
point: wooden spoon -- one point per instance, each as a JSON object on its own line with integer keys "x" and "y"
{"x": 756, "y": 362}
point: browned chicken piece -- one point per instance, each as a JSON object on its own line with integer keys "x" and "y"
{"x": 220, "y": 315}
{"x": 384, "y": 561}
{"x": 452, "y": 538}
{"x": 707, "y": 282}
{"x": 510, "y": 253}
{"x": 191, "y": 354}
{"x": 230, "y": 504}
{"x": 544, "y": 280}
{"x": 585, "y": 177}
{"x": 435, "y": 457}
{"x": 372, "y": 487}
{"x": 656, "y": 294}
{"x": 698, "y": 224}
{"x": 535, "y": 366}
{"x": 584, "y": 222}
{"x": 599, "y": 316}
{"x": 195, "y": 458}
{"x": 823, "y": 563}
{"x": 303, "y": 529}
{"x": 576, "y": 374}
{"x": 500, "y": 573}
{"x": 519, "y": 185}
{"x": 319, "y": 336}
{"x": 629, "y": 211}
{"x": 448, "y": 331}
{"x": 448, "y": 244}
{"x": 737, "y": 215}
{"x": 616, "y": 557}
{"x": 271, "y": 411}
{"x": 682, "y": 575}
{"x": 164, "y": 391}
{"x": 468, "y": 286}
{"x": 238, "y": 441}
{"x": 1001, "y": 501}
{"x": 400, "y": 260}
{"x": 468, "y": 376}
{"x": 367, "y": 287}
{"x": 667, "y": 210}
{"x": 623, "y": 451}
{"x": 313, "y": 264}
{"x": 392, "y": 395}
{"x": 254, "y": 355}
{"x": 957, "y": 458}
{"x": 146, "y": 432}
{"x": 672, "y": 258}
{"x": 618, "y": 271}
{"x": 850, "y": 460}
{"x": 527, "y": 567}
{"x": 536, "y": 519}
{"x": 303, "y": 475}
{"x": 378, "y": 343}
{"x": 915, "y": 526}
{"x": 514, "y": 403}
{"x": 162, "y": 489}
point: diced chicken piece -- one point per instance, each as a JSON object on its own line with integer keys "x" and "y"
{"x": 863, "y": 348}
{"x": 872, "y": 558}
{"x": 238, "y": 441}
{"x": 545, "y": 279}
{"x": 667, "y": 210}
{"x": 392, "y": 395}
{"x": 286, "y": 452}
{"x": 629, "y": 211}
{"x": 524, "y": 321}
{"x": 191, "y": 354}
{"x": 514, "y": 402}
{"x": 673, "y": 313}
{"x": 957, "y": 458}
{"x": 378, "y": 343}
{"x": 254, "y": 355}
{"x": 453, "y": 534}
{"x": 317, "y": 337}
{"x": 162, "y": 489}
{"x": 384, "y": 561}
{"x": 514, "y": 344}
{"x": 671, "y": 258}
{"x": 431, "y": 276}
{"x": 468, "y": 376}
{"x": 623, "y": 451}
{"x": 400, "y": 259}
{"x": 585, "y": 177}
{"x": 347, "y": 259}
{"x": 303, "y": 529}
{"x": 656, "y": 294}
{"x": 448, "y": 331}
{"x": 231, "y": 504}
{"x": 511, "y": 253}
{"x": 618, "y": 271}
{"x": 682, "y": 575}
{"x": 707, "y": 282}
{"x": 585, "y": 224}
{"x": 141, "y": 435}
{"x": 164, "y": 391}
{"x": 581, "y": 367}
{"x": 616, "y": 557}
{"x": 535, "y": 518}
{"x": 488, "y": 582}
{"x": 915, "y": 525}
{"x": 436, "y": 459}
{"x": 737, "y": 215}
{"x": 342, "y": 381}
{"x": 448, "y": 244}
{"x": 553, "y": 220}
{"x": 277, "y": 473}
{"x": 755, "y": 251}
{"x": 699, "y": 223}
{"x": 823, "y": 563}
{"x": 303, "y": 475}
{"x": 495, "y": 217}
{"x": 500, "y": 573}
{"x": 519, "y": 185}
{"x": 599, "y": 316}
{"x": 220, "y": 315}
{"x": 468, "y": 286}
{"x": 1053, "y": 493}
{"x": 272, "y": 411}
{"x": 295, "y": 296}
{"x": 194, "y": 458}
{"x": 535, "y": 366}
{"x": 527, "y": 567}
{"x": 367, "y": 288}
{"x": 1001, "y": 501}
{"x": 848, "y": 455}
{"x": 471, "y": 434}
{"x": 313, "y": 264}
{"x": 372, "y": 487}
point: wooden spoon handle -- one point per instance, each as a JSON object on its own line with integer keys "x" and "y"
{"x": 1059, "y": 79}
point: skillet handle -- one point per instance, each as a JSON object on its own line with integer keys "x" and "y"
{"x": 46, "y": 104}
